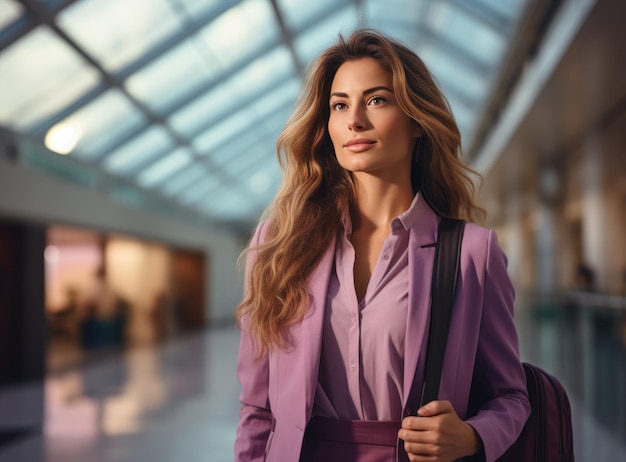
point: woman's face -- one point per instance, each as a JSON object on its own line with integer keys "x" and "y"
{"x": 371, "y": 134}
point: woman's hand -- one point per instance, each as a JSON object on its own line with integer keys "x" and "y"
{"x": 438, "y": 434}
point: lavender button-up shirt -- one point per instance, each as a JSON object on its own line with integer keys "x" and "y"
{"x": 362, "y": 357}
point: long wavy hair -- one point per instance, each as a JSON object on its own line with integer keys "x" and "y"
{"x": 305, "y": 215}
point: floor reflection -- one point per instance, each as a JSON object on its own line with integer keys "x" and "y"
{"x": 175, "y": 402}
{"x": 581, "y": 338}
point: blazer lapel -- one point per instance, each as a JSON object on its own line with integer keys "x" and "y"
{"x": 312, "y": 324}
{"x": 421, "y": 257}
{"x": 293, "y": 371}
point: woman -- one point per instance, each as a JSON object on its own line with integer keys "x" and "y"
{"x": 338, "y": 279}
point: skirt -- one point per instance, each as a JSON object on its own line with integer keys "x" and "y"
{"x": 333, "y": 440}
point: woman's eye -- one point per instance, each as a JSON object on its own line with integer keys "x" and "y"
{"x": 377, "y": 100}
{"x": 338, "y": 106}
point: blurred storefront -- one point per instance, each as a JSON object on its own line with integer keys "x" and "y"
{"x": 110, "y": 291}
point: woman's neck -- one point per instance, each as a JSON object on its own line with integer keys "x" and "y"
{"x": 379, "y": 202}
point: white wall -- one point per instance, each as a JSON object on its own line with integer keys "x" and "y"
{"x": 32, "y": 195}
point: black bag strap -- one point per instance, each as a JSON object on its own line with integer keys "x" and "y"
{"x": 445, "y": 274}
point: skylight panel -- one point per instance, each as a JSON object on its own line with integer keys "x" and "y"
{"x": 35, "y": 88}
{"x": 221, "y": 132}
{"x": 205, "y": 109}
{"x": 183, "y": 179}
{"x": 240, "y": 32}
{"x": 117, "y": 32}
{"x": 271, "y": 101}
{"x": 254, "y": 157}
{"x": 299, "y": 13}
{"x": 139, "y": 150}
{"x": 265, "y": 71}
{"x": 174, "y": 75}
{"x": 264, "y": 180}
{"x": 239, "y": 122}
{"x": 103, "y": 123}
{"x": 260, "y": 76}
{"x": 313, "y": 41}
{"x": 239, "y": 147}
{"x": 466, "y": 33}
{"x": 200, "y": 189}
{"x": 388, "y": 12}
{"x": 202, "y": 7}
{"x": 165, "y": 167}
{"x": 228, "y": 205}
{"x": 260, "y": 137}
{"x": 233, "y": 161}
{"x": 509, "y": 10}
{"x": 446, "y": 68}
{"x": 464, "y": 115}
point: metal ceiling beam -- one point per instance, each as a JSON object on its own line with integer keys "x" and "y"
{"x": 287, "y": 37}
{"x": 25, "y": 24}
{"x": 360, "y": 13}
{"x": 15, "y": 31}
{"x": 531, "y": 30}
{"x": 485, "y": 15}
{"x": 57, "y": 5}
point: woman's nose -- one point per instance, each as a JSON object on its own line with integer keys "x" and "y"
{"x": 356, "y": 119}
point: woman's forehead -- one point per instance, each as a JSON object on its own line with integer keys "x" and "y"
{"x": 361, "y": 74}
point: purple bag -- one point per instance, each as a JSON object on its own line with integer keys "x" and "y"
{"x": 547, "y": 435}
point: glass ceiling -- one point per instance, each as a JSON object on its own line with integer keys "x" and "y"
{"x": 184, "y": 99}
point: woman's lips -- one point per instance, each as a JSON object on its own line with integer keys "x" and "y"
{"x": 359, "y": 145}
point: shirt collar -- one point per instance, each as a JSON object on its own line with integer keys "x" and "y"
{"x": 346, "y": 221}
{"x": 408, "y": 218}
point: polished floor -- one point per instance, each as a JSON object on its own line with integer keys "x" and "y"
{"x": 175, "y": 403}
{"x": 178, "y": 401}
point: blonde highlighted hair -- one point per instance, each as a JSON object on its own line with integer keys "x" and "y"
{"x": 305, "y": 215}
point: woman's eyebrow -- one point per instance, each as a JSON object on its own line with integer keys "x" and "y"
{"x": 366, "y": 92}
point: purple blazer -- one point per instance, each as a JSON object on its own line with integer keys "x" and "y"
{"x": 278, "y": 390}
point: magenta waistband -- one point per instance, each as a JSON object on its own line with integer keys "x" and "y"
{"x": 373, "y": 432}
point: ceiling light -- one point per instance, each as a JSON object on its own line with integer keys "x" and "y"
{"x": 62, "y": 138}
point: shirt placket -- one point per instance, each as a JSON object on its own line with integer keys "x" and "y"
{"x": 380, "y": 269}
{"x": 385, "y": 258}
{"x": 354, "y": 331}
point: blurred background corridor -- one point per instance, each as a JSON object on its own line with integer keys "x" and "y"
{"x": 137, "y": 153}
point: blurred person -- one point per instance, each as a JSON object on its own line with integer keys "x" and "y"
{"x": 585, "y": 278}
{"x": 67, "y": 316}
{"x": 335, "y": 312}
{"x": 102, "y": 299}
{"x": 105, "y": 315}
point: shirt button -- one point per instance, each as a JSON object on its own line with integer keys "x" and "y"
{"x": 386, "y": 257}
{"x": 352, "y": 367}
{"x": 395, "y": 224}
